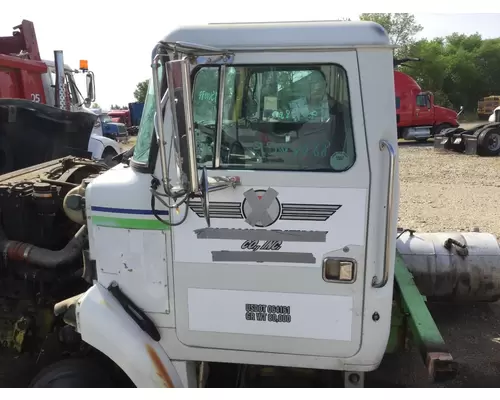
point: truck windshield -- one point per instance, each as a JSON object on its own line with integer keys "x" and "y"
{"x": 146, "y": 126}
{"x": 293, "y": 118}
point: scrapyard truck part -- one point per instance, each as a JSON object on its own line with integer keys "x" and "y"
{"x": 482, "y": 140}
{"x": 31, "y": 131}
{"x": 495, "y": 116}
{"x": 348, "y": 296}
{"x": 41, "y": 241}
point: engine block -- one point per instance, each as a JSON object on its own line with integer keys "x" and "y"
{"x": 32, "y": 214}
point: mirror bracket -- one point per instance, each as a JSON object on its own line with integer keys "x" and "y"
{"x": 188, "y": 112}
{"x": 218, "y": 59}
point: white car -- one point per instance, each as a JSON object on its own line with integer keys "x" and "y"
{"x": 101, "y": 147}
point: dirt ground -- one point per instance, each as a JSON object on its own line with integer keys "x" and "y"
{"x": 450, "y": 192}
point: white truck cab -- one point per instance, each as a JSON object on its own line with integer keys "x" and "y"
{"x": 101, "y": 147}
{"x": 495, "y": 115}
{"x": 267, "y": 235}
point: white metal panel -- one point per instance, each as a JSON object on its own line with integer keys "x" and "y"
{"x": 377, "y": 86}
{"x": 104, "y": 324}
{"x": 283, "y": 35}
{"x": 135, "y": 265}
{"x": 230, "y": 311}
{"x": 195, "y": 258}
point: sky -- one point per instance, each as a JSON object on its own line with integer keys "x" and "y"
{"x": 117, "y": 38}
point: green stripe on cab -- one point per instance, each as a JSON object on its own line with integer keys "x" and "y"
{"x": 129, "y": 223}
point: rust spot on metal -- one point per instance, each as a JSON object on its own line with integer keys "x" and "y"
{"x": 161, "y": 371}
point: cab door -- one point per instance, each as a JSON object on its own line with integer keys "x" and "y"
{"x": 281, "y": 268}
{"x": 424, "y": 112}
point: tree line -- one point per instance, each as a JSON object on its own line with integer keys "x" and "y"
{"x": 459, "y": 69}
{"x": 113, "y": 106}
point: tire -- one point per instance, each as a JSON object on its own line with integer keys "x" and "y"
{"x": 72, "y": 373}
{"x": 488, "y": 142}
{"x": 108, "y": 155}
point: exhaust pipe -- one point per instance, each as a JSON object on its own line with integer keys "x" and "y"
{"x": 60, "y": 100}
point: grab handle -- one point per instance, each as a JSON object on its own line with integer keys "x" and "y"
{"x": 385, "y": 145}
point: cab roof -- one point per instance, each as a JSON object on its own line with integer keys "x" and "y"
{"x": 283, "y": 35}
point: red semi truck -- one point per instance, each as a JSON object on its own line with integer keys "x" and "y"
{"x": 418, "y": 117}
{"x": 121, "y": 116}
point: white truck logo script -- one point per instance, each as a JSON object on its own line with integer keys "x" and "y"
{"x": 255, "y": 245}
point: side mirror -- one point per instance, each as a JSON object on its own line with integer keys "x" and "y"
{"x": 90, "y": 84}
{"x": 180, "y": 95}
{"x": 178, "y": 79}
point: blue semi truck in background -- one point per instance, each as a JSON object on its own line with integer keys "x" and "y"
{"x": 135, "y": 112}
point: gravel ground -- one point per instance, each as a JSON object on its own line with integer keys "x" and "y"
{"x": 445, "y": 191}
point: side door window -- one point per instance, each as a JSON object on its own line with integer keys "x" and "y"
{"x": 421, "y": 100}
{"x": 275, "y": 117}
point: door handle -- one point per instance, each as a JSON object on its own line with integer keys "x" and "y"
{"x": 385, "y": 145}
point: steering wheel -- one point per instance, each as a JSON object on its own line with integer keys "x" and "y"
{"x": 232, "y": 147}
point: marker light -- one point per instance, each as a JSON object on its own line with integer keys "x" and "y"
{"x": 84, "y": 64}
